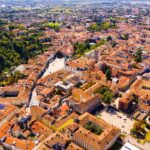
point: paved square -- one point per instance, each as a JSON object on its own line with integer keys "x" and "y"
{"x": 123, "y": 122}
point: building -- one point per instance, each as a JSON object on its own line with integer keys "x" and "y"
{"x": 81, "y": 135}
{"x": 64, "y": 86}
{"x": 7, "y": 112}
{"x": 140, "y": 89}
{"x": 54, "y": 141}
{"x": 82, "y": 101}
{"x": 16, "y": 95}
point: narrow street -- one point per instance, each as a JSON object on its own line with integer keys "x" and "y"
{"x": 34, "y": 101}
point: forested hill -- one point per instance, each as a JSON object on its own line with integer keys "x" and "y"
{"x": 17, "y": 45}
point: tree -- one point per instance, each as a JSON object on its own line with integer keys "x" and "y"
{"x": 81, "y": 47}
{"x": 108, "y": 74}
{"x": 138, "y": 125}
{"x": 106, "y": 94}
{"x": 138, "y": 131}
{"x": 16, "y": 49}
{"x": 125, "y": 36}
{"x": 109, "y": 38}
{"x": 102, "y": 26}
{"x": 103, "y": 89}
{"x": 138, "y": 55}
{"x": 114, "y": 44}
{"x": 107, "y": 97}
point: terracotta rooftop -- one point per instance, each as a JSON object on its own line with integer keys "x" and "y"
{"x": 73, "y": 146}
{"x": 97, "y": 142}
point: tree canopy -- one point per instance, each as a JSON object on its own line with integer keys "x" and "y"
{"x": 17, "y": 45}
{"x": 16, "y": 49}
{"x": 102, "y": 26}
{"x": 138, "y": 55}
{"x": 106, "y": 93}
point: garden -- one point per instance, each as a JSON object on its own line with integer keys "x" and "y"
{"x": 93, "y": 128}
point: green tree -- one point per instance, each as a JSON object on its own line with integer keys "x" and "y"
{"x": 106, "y": 93}
{"x": 114, "y": 44}
{"x": 109, "y": 38}
{"x": 81, "y": 47}
{"x": 107, "y": 97}
{"x": 103, "y": 89}
{"x": 138, "y": 55}
{"x": 125, "y": 36}
{"x": 18, "y": 48}
{"x": 102, "y": 26}
{"x": 108, "y": 74}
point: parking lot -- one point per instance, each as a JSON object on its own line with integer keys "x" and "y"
{"x": 118, "y": 119}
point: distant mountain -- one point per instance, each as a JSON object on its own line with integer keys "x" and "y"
{"x": 23, "y": 2}
{"x": 51, "y": 1}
